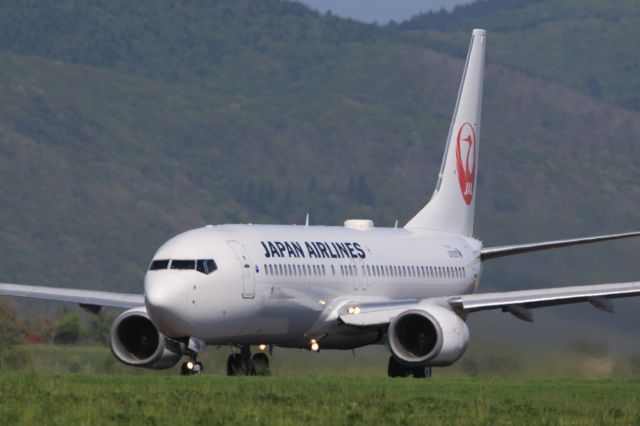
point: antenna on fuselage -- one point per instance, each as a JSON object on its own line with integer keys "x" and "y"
{"x": 306, "y": 221}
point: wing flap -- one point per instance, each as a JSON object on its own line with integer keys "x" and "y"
{"x": 83, "y": 297}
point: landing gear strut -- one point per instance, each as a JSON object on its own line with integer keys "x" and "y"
{"x": 190, "y": 347}
{"x": 243, "y": 364}
{"x": 396, "y": 369}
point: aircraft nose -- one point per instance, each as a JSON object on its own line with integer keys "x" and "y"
{"x": 165, "y": 297}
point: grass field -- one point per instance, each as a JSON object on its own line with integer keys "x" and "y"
{"x": 483, "y": 360}
{"x": 86, "y": 385}
{"x": 29, "y": 398}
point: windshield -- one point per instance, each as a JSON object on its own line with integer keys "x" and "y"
{"x": 159, "y": 264}
{"x": 183, "y": 264}
{"x": 205, "y": 266}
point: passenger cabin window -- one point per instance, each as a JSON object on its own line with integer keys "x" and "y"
{"x": 159, "y": 264}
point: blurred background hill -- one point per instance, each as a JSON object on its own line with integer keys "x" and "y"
{"x": 123, "y": 123}
{"x": 589, "y": 46}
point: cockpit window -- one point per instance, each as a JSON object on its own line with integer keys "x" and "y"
{"x": 159, "y": 264}
{"x": 183, "y": 264}
{"x": 205, "y": 266}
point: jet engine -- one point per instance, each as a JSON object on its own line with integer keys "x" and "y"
{"x": 433, "y": 336}
{"x": 136, "y": 341}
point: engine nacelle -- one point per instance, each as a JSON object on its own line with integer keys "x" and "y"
{"x": 136, "y": 341}
{"x": 433, "y": 336}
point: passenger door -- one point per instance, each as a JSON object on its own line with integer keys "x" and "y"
{"x": 248, "y": 282}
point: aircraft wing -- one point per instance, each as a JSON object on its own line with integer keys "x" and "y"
{"x": 518, "y": 303}
{"x": 493, "y": 252}
{"x": 82, "y": 297}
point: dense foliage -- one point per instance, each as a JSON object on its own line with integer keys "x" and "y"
{"x": 12, "y": 334}
{"x": 590, "y": 46}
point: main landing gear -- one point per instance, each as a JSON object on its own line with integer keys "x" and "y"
{"x": 243, "y": 364}
{"x": 396, "y": 369}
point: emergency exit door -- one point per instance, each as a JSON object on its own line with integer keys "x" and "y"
{"x": 359, "y": 277}
{"x": 248, "y": 282}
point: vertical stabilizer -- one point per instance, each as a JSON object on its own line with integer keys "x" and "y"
{"x": 452, "y": 205}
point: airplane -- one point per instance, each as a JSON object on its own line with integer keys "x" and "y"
{"x": 332, "y": 287}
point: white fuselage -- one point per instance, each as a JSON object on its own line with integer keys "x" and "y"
{"x": 279, "y": 284}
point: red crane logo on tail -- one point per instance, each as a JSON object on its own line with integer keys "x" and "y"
{"x": 466, "y": 161}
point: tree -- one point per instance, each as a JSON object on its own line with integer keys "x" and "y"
{"x": 12, "y": 329}
{"x": 12, "y": 334}
{"x": 100, "y": 326}
{"x": 68, "y": 329}
{"x": 359, "y": 190}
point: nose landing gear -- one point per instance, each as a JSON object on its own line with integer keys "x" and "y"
{"x": 243, "y": 364}
{"x": 192, "y": 367}
{"x": 191, "y": 347}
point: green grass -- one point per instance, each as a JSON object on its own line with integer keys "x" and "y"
{"x": 69, "y": 385}
{"x": 330, "y": 399}
{"x": 484, "y": 360}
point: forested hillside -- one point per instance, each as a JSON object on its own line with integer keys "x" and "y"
{"x": 588, "y": 45}
{"x": 123, "y": 123}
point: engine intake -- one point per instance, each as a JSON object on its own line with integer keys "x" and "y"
{"x": 136, "y": 341}
{"x": 435, "y": 336}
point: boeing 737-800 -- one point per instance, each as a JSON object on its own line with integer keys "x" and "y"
{"x": 327, "y": 287}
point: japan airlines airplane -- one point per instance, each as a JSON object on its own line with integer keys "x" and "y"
{"x": 326, "y": 287}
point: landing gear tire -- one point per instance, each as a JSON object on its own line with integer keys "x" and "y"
{"x": 421, "y": 372}
{"x": 243, "y": 364}
{"x": 234, "y": 365}
{"x": 395, "y": 369}
{"x": 260, "y": 363}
